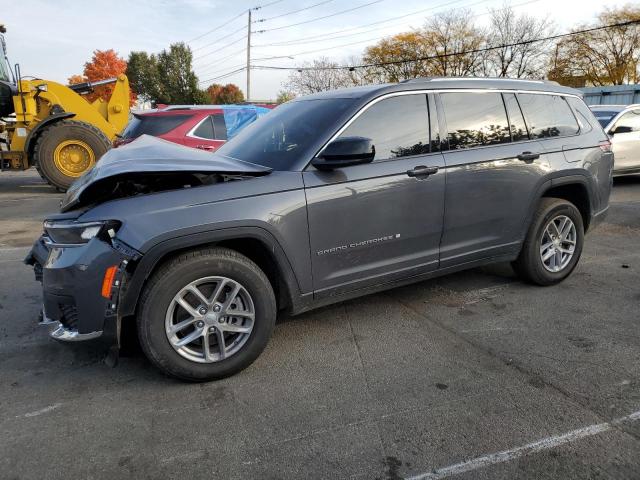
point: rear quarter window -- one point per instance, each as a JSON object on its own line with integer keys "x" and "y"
{"x": 547, "y": 115}
{"x": 153, "y": 125}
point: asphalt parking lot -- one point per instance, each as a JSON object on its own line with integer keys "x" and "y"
{"x": 429, "y": 380}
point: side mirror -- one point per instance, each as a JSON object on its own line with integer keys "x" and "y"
{"x": 620, "y": 129}
{"x": 344, "y": 152}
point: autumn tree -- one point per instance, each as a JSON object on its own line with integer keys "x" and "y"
{"x": 104, "y": 64}
{"x": 518, "y": 56}
{"x": 225, "y": 94}
{"x": 397, "y": 58}
{"x": 602, "y": 57}
{"x": 284, "y": 96}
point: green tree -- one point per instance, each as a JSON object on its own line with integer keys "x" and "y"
{"x": 142, "y": 70}
{"x": 178, "y": 84}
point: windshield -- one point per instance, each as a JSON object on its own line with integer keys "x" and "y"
{"x": 4, "y": 65}
{"x": 286, "y": 134}
{"x": 604, "y": 116}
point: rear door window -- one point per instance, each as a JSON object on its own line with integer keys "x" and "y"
{"x": 475, "y": 119}
{"x": 219, "y": 126}
{"x": 398, "y": 126}
{"x": 153, "y": 125}
{"x": 548, "y": 115}
{"x": 585, "y": 117}
{"x": 205, "y": 129}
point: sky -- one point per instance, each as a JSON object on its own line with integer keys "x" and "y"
{"x": 53, "y": 39}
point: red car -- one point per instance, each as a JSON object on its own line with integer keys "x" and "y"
{"x": 206, "y": 127}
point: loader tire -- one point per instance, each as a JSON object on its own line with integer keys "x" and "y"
{"x": 66, "y": 150}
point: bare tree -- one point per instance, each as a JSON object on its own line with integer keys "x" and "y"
{"x": 447, "y": 36}
{"x": 517, "y": 59}
{"x": 320, "y": 75}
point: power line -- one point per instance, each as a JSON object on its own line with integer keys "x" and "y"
{"x": 221, "y": 48}
{"x": 238, "y": 68}
{"x": 218, "y": 27}
{"x": 292, "y": 12}
{"x": 257, "y": 7}
{"x": 217, "y": 40}
{"x": 452, "y": 54}
{"x": 219, "y": 61}
{"x": 319, "y": 18}
{"x": 324, "y": 35}
{"x": 363, "y": 41}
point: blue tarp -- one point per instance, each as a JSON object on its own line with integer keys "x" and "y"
{"x": 236, "y": 117}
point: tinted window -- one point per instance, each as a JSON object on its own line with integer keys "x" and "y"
{"x": 583, "y": 114}
{"x": 205, "y": 129}
{"x": 219, "y": 127}
{"x": 287, "y": 134}
{"x": 152, "y": 125}
{"x": 398, "y": 126}
{"x": 630, "y": 120}
{"x": 475, "y": 119}
{"x": 516, "y": 120}
{"x": 547, "y": 115}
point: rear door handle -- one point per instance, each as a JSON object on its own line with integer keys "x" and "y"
{"x": 422, "y": 171}
{"x": 206, "y": 147}
{"x": 528, "y": 156}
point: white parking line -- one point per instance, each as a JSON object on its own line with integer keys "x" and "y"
{"x": 508, "y": 455}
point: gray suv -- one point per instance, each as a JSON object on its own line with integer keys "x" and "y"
{"x": 328, "y": 197}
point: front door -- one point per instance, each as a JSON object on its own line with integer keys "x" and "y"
{"x": 374, "y": 223}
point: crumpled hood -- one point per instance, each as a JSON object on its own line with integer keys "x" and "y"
{"x": 147, "y": 158}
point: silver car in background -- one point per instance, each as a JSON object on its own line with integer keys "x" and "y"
{"x": 622, "y": 124}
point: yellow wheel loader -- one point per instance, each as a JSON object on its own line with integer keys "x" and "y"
{"x": 52, "y": 127}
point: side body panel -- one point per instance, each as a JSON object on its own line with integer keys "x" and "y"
{"x": 274, "y": 204}
{"x": 373, "y": 223}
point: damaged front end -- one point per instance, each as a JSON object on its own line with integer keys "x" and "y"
{"x": 81, "y": 262}
{"x": 82, "y": 267}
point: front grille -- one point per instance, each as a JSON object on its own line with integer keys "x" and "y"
{"x": 68, "y": 316}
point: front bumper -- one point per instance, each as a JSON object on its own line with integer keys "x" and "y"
{"x": 72, "y": 288}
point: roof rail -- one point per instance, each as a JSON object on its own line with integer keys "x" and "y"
{"x": 475, "y": 79}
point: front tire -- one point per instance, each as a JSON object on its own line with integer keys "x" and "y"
{"x": 206, "y": 314}
{"x": 66, "y": 150}
{"x": 553, "y": 244}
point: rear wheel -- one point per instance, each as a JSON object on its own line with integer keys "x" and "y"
{"x": 206, "y": 314}
{"x": 553, "y": 245}
{"x": 66, "y": 150}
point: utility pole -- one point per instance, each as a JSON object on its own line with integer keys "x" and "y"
{"x": 249, "y": 57}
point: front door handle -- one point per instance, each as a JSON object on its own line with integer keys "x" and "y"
{"x": 422, "y": 171}
{"x": 528, "y": 156}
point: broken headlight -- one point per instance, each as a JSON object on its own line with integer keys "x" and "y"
{"x": 72, "y": 233}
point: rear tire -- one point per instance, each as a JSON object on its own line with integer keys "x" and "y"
{"x": 547, "y": 258}
{"x": 66, "y": 150}
{"x": 210, "y": 268}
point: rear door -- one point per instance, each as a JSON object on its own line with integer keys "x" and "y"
{"x": 370, "y": 224}
{"x": 493, "y": 169}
